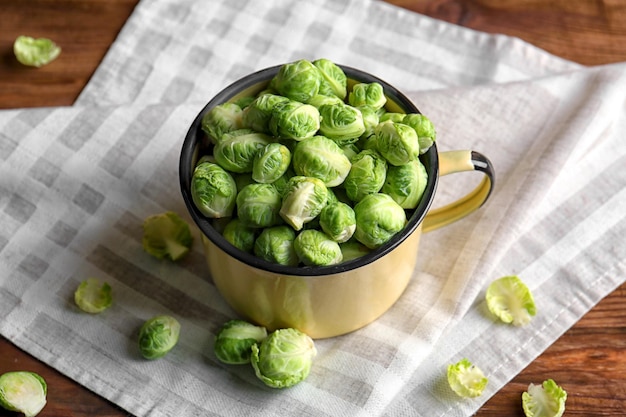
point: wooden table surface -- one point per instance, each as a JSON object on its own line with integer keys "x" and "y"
{"x": 589, "y": 360}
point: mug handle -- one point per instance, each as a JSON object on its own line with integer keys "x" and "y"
{"x": 461, "y": 161}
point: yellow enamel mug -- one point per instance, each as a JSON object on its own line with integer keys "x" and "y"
{"x": 330, "y": 300}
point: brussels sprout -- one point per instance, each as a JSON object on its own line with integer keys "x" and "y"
{"x": 321, "y": 158}
{"x": 378, "y": 219}
{"x": 424, "y": 128}
{"x": 244, "y": 102}
{"x": 353, "y": 249}
{"x": 391, "y": 117}
{"x": 284, "y": 358}
{"x": 270, "y": 163}
{"x": 350, "y": 150}
{"x": 334, "y": 81}
{"x": 236, "y": 151}
{"x": 364, "y": 94}
{"x": 466, "y": 379}
{"x": 303, "y": 199}
{"x": 240, "y": 235}
{"x": 510, "y": 300}
{"x": 275, "y": 244}
{"x": 213, "y": 190}
{"x": 370, "y": 120}
{"x": 35, "y": 52}
{"x": 158, "y": 336}
{"x": 281, "y": 183}
{"x": 397, "y": 142}
{"x": 294, "y": 120}
{"x": 233, "y": 343}
{"x": 338, "y": 221}
{"x": 299, "y": 80}
{"x": 166, "y": 235}
{"x": 23, "y": 392}
{"x": 316, "y": 248}
{"x": 222, "y": 119}
{"x": 258, "y": 205}
{"x": 545, "y": 400}
{"x": 320, "y": 99}
{"x": 92, "y": 296}
{"x": 341, "y": 123}
{"x": 257, "y": 115}
{"x": 366, "y": 176}
{"x": 406, "y": 183}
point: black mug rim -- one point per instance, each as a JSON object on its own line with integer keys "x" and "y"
{"x": 193, "y": 140}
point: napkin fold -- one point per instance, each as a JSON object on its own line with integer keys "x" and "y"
{"x": 76, "y": 183}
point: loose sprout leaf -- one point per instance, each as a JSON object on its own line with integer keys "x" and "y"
{"x": 93, "y": 296}
{"x": 466, "y": 379}
{"x": 35, "y": 52}
{"x": 166, "y": 235}
{"x": 510, "y": 300}
{"x": 23, "y": 392}
{"x": 546, "y": 400}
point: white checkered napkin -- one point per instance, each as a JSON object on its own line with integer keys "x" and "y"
{"x": 173, "y": 51}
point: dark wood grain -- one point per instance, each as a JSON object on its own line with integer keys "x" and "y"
{"x": 588, "y": 360}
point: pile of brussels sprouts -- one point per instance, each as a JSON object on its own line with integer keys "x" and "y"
{"x": 311, "y": 171}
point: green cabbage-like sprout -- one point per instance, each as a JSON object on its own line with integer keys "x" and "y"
{"x": 93, "y": 296}
{"x": 233, "y": 343}
{"x": 166, "y": 235}
{"x": 35, "y": 52}
{"x": 158, "y": 336}
{"x": 545, "y": 400}
{"x": 23, "y": 392}
{"x": 510, "y": 300}
{"x": 466, "y": 379}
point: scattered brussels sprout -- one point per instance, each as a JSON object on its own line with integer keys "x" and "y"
{"x": 299, "y": 80}
{"x": 424, "y": 128}
{"x": 341, "y": 122}
{"x": 275, "y": 244}
{"x": 353, "y": 249}
{"x": 315, "y": 248}
{"x": 222, "y": 119}
{"x": 270, "y": 163}
{"x": 406, "y": 183}
{"x": 546, "y": 400}
{"x": 466, "y": 379}
{"x": 378, "y": 219}
{"x": 397, "y": 142}
{"x": 35, "y": 52}
{"x": 303, "y": 199}
{"x": 294, "y": 120}
{"x": 93, "y": 296}
{"x": 23, "y": 392}
{"x": 258, "y": 205}
{"x": 166, "y": 235}
{"x": 258, "y": 114}
{"x": 213, "y": 190}
{"x": 510, "y": 300}
{"x": 158, "y": 336}
{"x": 321, "y": 158}
{"x": 233, "y": 343}
{"x": 338, "y": 221}
{"x": 236, "y": 152}
{"x": 284, "y": 358}
{"x": 367, "y": 175}
{"x": 367, "y": 94}
{"x": 240, "y": 235}
{"x": 333, "y": 81}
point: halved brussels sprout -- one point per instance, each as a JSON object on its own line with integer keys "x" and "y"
{"x": 406, "y": 183}
{"x": 270, "y": 163}
{"x": 275, "y": 244}
{"x": 213, "y": 190}
{"x": 166, "y": 235}
{"x": 294, "y": 120}
{"x": 367, "y": 94}
{"x": 316, "y": 248}
{"x": 378, "y": 219}
{"x": 258, "y": 114}
{"x": 366, "y": 176}
{"x": 341, "y": 123}
{"x": 258, "y": 205}
{"x": 338, "y": 221}
{"x": 236, "y": 151}
{"x": 222, "y": 119}
{"x": 303, "y": 200}
{"x": 321, "y": 158}
{"x": 333, "y": 81}
{"x": 396, "y": 142}
{"x": 240, "y": 235}
{"x": 299, "y": 80}
{"x": 23, "y": 392}
{"x": 424, "y": 128}
{"x": 233, "y": 343}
